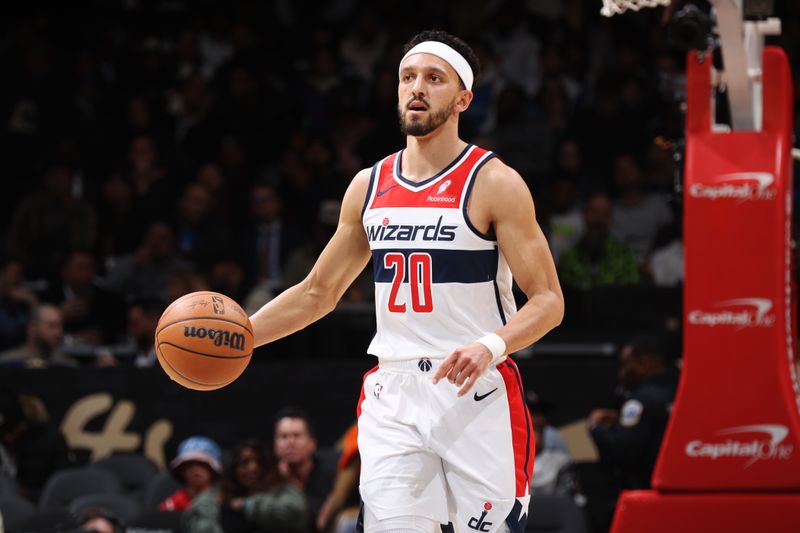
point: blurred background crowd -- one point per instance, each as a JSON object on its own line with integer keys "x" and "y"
{"x": 154, "y": 148}
{"x": 151, "y": 148}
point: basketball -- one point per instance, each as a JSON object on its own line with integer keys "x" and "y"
{"x": 204, "y": 340}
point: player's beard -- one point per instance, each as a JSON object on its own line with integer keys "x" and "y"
{"x": 420, "y": 127}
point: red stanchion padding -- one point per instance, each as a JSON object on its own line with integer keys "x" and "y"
{"x": 735, "y": 425}
{"x": 654, "y": 512}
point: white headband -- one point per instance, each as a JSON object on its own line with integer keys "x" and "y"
{"x": 439, "y": 49}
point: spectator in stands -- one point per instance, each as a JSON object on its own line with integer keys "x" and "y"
{"x": 553, "y": 471}
{"x": 377, "y": 133}
{"x": 233, "y": 161}
{"x": 364, "y": 44}
{"x": 303, "y": 258}
{"x": 49, "y": 222}
{"x": 16, "y": 302}
{"x": 665, "y": 265}
{"x": 32, "y": 447}
{"x": 298, "y": 461}
{"x": 565, "y": 221}
{"x": 518, "y": 139}
{"x": 659, "y": 165}
{"x": 552, "y": 437}
{"x": 202, "y": 238}
{"x": 253, "y": 497}
{"x": 195, "y": 135}
{"x": 516, "y": 46}
{"x": 145, "y": 273}
{"x": 211, "y": 177}
{"x": 97, "y": 520}
{"x": 339, "y": 512}
{"x": 12, "y": 426}
{"x": 638, "y": 215}
{"x": 226, "y": 276}
{"x": 554, "y": 110}
{"x": 43, "y": 342}
{"x": 628, "y": 439}
{"x": 267, "y": 242}
{"x": 322, "y": 89}
{"x": 137, "y": 118}
{"x": 153, "y": 190}
{"x": 300, "y": 194}
{"x": 248, "y": 107}
{"x": 319, "y": 154}
{"x": 119, "y": 225}
{"x": 185, "y": 280}
{"x": 569, "y": 162}
{"x": 598, "y": 259}
{"x": 481, "y": 115}
{"x": 197, "y": 467}
{"x": 602, "y": 128}
{"x": 92, "y": 315}
{"x": 143, "y": 316}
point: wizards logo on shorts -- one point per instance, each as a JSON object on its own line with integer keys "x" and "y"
{"x": 424, "y": 364}
{"x": 479, "y": 523}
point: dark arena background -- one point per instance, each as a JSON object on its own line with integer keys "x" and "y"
{"x": 149, "y": 149}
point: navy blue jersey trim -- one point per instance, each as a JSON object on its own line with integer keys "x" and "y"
{"x": 420, "y": 184}
{"x": 518, "y": 518}
{"x": 369, "y": 189}
{"x": 448, "y": 266}
{"x": 475, "y": 171}
{"x": 499, "y": 303}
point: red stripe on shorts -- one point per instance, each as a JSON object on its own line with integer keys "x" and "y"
{"x": 361, "y": 396}
{"x": 521, "y": 428}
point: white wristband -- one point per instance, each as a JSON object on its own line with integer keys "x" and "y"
{"x": 495, "y": 344}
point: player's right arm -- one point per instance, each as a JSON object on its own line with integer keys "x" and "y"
{"x": 342, "y": 260}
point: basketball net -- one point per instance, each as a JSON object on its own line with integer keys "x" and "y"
{"x": 615, "y": 7}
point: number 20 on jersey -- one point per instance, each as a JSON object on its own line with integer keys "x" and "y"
{"x": 418, "y": 265}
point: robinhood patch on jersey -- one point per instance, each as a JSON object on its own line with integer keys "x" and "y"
{"x": 631, "y": 413}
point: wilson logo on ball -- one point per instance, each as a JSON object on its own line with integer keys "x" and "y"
{"x": 220, "y": 337}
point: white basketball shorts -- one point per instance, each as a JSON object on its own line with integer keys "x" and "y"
{"x": 427, "y": 452}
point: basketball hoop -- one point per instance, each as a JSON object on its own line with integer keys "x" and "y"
{"x": 740, "y": 27}
{"x": 615, "y": 7}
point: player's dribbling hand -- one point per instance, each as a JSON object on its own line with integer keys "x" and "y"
{"x": 464, "y": 366}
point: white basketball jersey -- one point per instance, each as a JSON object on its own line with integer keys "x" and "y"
{"x": 439, "y": 282}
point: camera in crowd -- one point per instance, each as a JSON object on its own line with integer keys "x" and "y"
{"x": 691, "y": 29}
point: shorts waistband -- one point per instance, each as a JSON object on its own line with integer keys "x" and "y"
{"x": 418, "y": 365}
{"x": 415, "y": 366}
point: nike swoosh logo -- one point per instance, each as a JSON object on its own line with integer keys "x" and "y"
{"x": 478, "y": 398}
{"x": 387, "y": 189}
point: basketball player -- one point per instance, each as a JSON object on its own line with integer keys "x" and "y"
{"x": 446, "y": 224}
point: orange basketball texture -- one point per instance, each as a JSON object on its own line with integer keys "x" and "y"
{"x": 204, "y": 340}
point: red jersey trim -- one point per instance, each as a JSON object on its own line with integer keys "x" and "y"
{"x": 445, "y": 190}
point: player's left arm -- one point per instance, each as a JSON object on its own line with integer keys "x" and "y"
{"x": 525, "y": 248}
{"x": 501, "y": 199}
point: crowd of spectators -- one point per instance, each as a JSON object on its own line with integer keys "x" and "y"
{"x": 250, "y": 485}
{"x": 154, "y": 148}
